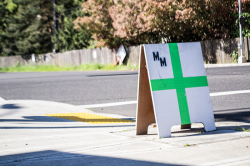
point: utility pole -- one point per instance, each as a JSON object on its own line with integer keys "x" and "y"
{"x": 241, "y": 59}
{"x": 54, "y": 17}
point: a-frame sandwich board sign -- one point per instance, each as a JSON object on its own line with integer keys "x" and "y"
{"x": 172, "y": 88}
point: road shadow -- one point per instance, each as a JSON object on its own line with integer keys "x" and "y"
{"x": 10, "y": 106}
{"x": 36, "y": 119}
{"x": 69, "y": 127}
{"x": 67, "y": 119}
{"x": 51, "y": 157}
{"x": 233, "y": 115}
{"x": 31, "y": 119}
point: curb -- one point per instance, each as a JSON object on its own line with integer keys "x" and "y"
{"x": 226, "y": 65}
{"x": 2, "y": 100}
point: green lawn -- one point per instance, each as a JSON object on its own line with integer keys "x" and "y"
{"x": 47, "y": 68}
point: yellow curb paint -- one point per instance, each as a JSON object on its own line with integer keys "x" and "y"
{"x": 89, "y": 118}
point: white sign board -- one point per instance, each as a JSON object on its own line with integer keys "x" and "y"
{"x": 178, "y": 87}
{"x": 33, "y": 58}
{"x": 94, "y": 54}
{"x": 121, "y": 53}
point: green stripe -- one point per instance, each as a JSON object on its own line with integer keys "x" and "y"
{"x": 171, "y": 83}
{"x": 191, "y": 82}
{"x": 183, "y": 106}
{"x": 178, "y": 79}
{"x": 175, "y": 58}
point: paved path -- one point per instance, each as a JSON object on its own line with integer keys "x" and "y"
{"x": 30, "y": 138}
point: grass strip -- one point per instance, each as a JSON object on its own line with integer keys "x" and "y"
{"x": 50, "y": 68}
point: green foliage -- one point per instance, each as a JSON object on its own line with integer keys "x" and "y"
{"x": 92, "y": 44}
{"x": 246, "y": 28}
{"x": 7, "y": 8}
{"x": 245, "y": 130}
{"x": 234, "y": 54}
{"x": 237, "y": 128}
{"x": 151, "y": 21}
{"x": 10, "y": 5}
{"x": 70, "y": 38}
{"x": 29, "y": 29}
{"x": 48, "y": 68}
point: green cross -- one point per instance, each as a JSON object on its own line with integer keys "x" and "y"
{"x": 179, "y": 83}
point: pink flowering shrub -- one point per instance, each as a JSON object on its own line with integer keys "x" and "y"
{"x": 133, "y": 22}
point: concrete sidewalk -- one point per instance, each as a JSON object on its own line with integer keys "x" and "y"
{"x": 28, "y": 137}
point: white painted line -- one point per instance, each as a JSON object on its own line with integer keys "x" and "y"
{"x": 134, "y": 102}
{"x": 229, "y": 93}
{"x": 108, "y": 104}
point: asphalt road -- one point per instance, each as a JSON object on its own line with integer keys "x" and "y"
{"x": 96, "y": 87}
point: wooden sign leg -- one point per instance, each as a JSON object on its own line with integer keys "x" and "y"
{"x": 145, "y": 111}
{"x": 186, "y": 126}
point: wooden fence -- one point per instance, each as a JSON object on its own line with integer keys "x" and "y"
{"x": 214, "y": 52}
